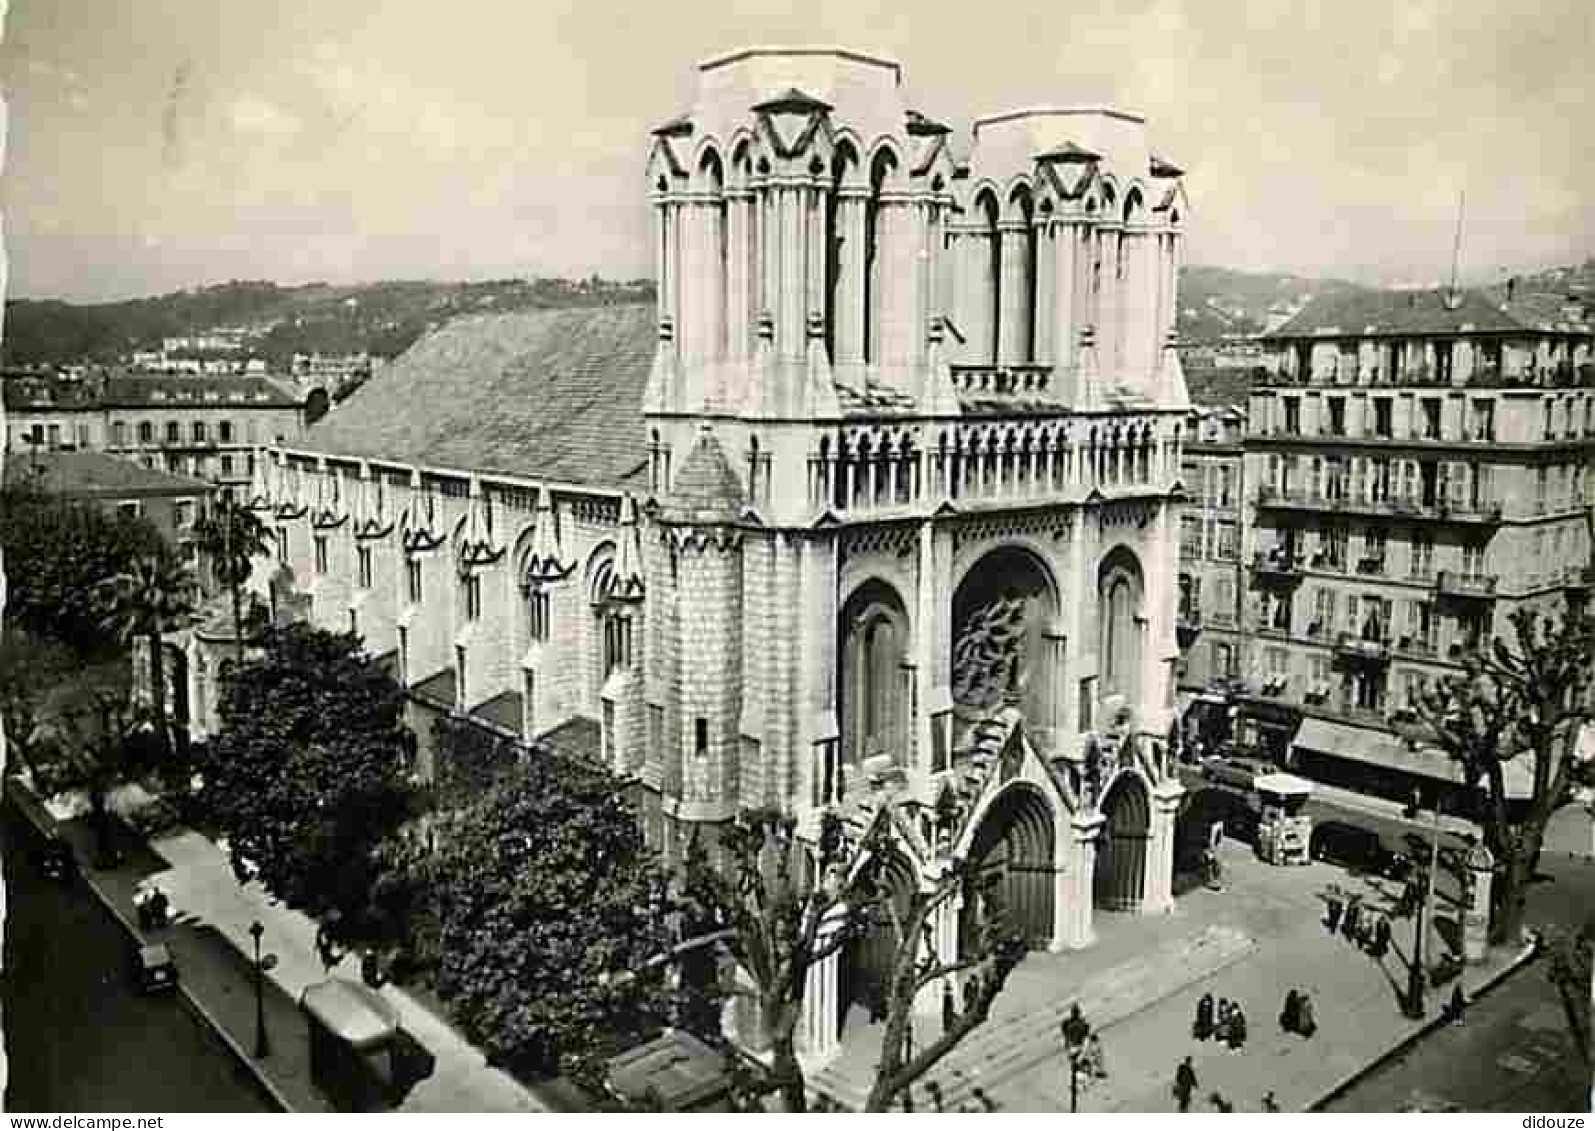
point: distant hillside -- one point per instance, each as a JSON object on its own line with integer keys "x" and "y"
{"x": 1216, "y": 301}
{"x": 381, "y": 318}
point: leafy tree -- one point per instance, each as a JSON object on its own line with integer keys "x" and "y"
{"x": 1569, "y": 971}
{"x": 91, "y": 727}
{"x": 153, "y": 597}
{"x": 58, "y": 552}
{"x": 546, "y": 892}
{"x": 307, "y": 774}
{"x": 231, "y": 538}
{"x": 1514, "y": 703}
{"x": 786, "y": 916}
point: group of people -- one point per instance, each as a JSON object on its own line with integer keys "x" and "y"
{"x": 1370, "y": 930}
{"x": 1297, "y": 1014}
{"x": 1083, "y": 1047}
{"x": 154, "y": 909}
{"x": 1225, "y": 1022}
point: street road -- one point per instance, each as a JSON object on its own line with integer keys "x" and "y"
{"x": 1514, "y": 1053}
{"x": 79, "y": 1037}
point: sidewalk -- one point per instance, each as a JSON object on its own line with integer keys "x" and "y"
{"x": 211, "y": 944}
{"x": 1263, "y": 936}
{"x": 200, "y": 883}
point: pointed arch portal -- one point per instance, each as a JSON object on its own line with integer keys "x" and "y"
{"x": 1121, "y": 864}
{"x": 1013, "y": 852}
{"x": 868, "y": 970}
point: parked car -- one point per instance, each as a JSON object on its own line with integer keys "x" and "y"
{"x": 154, "y": 969}
{"x": 1335, "y": 842}
{"x": 1237, "y": 773}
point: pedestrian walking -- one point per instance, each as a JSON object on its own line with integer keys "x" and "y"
{"x": 1290, "y": 1015}
{"x": 1219, "y": 1103}
{"x": 1184, "y": 1084}
{"x": 1221, "y": 1021}
{"x": 1380, "y": 946}
{"x": 1203, "y": 1028}
{"x": 1348, "y": 925}
{"x": 1333, "y": 912}
{"x": 1457, "y": 1007}
{"x": 1075, "y": 1029}
{"x": 949, "y": 1008}
{"x": 1306, "y": 1022}
{"x": 1270, "y": 1104}
{"x": 1237, "y": 1030}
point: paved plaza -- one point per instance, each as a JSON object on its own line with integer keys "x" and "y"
{"x": 1139, "y": 985}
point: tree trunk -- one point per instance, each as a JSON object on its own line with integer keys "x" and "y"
{"x": 787, "y": 1072}
{"x": 238, "y": 620}
{"x": 890, "y": 1072}
{"x": 158, "y": 694}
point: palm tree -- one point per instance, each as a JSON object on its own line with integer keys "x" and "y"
{"x": 232, "y": 537}
{"x": 154, "y": 597}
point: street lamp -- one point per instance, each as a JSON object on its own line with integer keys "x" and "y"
{"x": 262, "y": 1047}
{"x": 1076, "y": 1055}
{"x": 1425, "y": 920}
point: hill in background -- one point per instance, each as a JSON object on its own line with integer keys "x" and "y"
{"x": 385, "y": 318}
{"x": 379, "y": 318}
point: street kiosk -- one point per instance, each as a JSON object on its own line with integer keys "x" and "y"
{"x": 1284, "y": 833}
{"x": 353, "y": 1036}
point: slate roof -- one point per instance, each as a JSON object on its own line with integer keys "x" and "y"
{"x": 88, "y": 475}
{"x": 547, "y": 394}
{"x": 1397, "y": 312}
{"x": 135, "y": 390}
{"x": 1211, "y": 386}
{"x": 578, "y": 737}
{"x": 503, "y": 711}
{"x": 706, "y": 485}
{"x": 438, "y": 689}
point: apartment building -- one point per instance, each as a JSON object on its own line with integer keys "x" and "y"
{"x": 204, "y": 427}
{"x": 1417, "y": 471}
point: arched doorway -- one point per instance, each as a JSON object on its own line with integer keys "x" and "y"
{"x": 867, "y": 971}
{"x": 1011, "y": 861}
{"x": 873, "y": 692}
{"x": 1002, "y": 612}
{"x": 1119, "y": 596}
{"x": 1123, "y": 844}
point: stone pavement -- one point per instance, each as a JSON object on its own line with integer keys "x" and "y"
{"x": 200, "y": 883}
{"x": 1145, "y": 1016}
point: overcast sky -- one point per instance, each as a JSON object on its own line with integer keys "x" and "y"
{"x": 160, "y": 144}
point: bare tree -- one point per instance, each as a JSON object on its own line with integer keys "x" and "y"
{"x": 984, "y": 967}
{"x": 1522, "y": 702}
{"x": 787, "y": 911}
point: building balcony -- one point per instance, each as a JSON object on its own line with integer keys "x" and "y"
{"x": 1341, "y": 503}
{"x": 1451, "y": 583}
{"x": 1418, "y": 647}
{"x": 1273, "y": 632}
{"x": 1188, "y": 624}
{"x": 1352, "y": 646}
{"x": 1275, "y": 565}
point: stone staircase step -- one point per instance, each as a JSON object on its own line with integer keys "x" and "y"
{"x": 1009, "y": 1044}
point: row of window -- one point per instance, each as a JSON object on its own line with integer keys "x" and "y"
{"x": 82, "y": 434}
{"x": 1376, "y": 417}
{"x": 616, "y": 624}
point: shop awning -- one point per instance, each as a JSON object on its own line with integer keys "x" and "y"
{"x": 1392, "y": 751}
{"x": 351, "y": 1011}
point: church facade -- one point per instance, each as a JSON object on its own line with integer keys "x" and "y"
{"x": 876, "y": 512}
